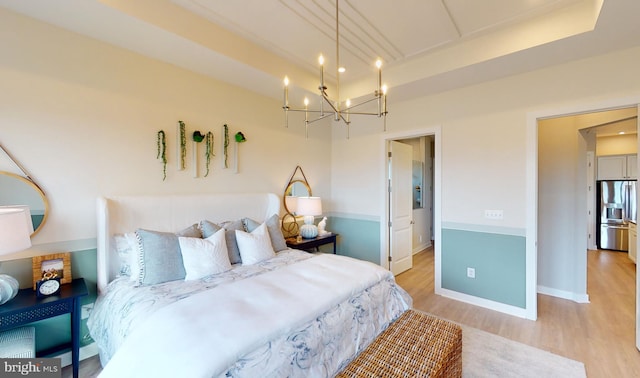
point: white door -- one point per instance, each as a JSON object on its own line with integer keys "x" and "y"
{"x": 401, "y": 207}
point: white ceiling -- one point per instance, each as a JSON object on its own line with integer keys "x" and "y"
{"x": 427, "y": 46}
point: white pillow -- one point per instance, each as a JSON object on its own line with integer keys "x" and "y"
{"x": 127, "y": 247}
{"x": 203, "y": 257}
{"x": 255, "y": 246}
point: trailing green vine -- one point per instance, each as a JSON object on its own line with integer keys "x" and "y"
{"x": 183, "y": 145}
{"x": 208, "y": 153}
{"x": 226, "y": 145}
{"x": 162, "y": 152}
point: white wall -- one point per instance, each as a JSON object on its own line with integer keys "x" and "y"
{"x": 617, "y": 145}
{"x": 82, "y": 118}
{"x": 484, "y": 144}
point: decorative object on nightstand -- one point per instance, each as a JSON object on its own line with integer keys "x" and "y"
{"x": 47, "y": 286}
{"x": 321, "y": 227}
{"x": 15, "y": 235}
{"x": 309, "y": 207}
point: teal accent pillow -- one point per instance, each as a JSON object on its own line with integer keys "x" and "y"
{"x": 159, "y": 255}
{"x": 273, "y": 227}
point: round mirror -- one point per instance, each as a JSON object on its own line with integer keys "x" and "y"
{"x": 18, "y": 190}
{"x": 296, "y": 188}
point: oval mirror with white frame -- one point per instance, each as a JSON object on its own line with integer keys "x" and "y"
{"x": 16, "y": 190}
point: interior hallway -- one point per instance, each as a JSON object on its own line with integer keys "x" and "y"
{"x": 601, "y": 333}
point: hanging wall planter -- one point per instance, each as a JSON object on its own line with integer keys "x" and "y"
{"x": 208, "y": 151}
{"x": 197, "y": 137}
{"x": 182, "y": 145}
{"x": 240, "y": 138}
{"x": 162, "y": 152}
{"x": 225, "y": 136}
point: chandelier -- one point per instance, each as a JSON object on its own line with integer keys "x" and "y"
{"x": 340, "y": 110}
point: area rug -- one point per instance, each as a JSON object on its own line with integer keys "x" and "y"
{"x": 487, "y": 355}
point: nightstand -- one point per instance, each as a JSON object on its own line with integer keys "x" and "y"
{"x": 27, "y": 308}
{"x": 307, "y": 244}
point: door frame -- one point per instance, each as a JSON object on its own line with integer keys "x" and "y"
{"x": 532, "y": 192}
{"x": 436, "y": 132}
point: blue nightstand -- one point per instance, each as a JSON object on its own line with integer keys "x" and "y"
{"x": 26, "y": 308}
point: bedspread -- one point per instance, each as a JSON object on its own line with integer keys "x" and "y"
{"x": 297, "y": 322}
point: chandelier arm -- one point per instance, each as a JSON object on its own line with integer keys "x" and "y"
{"x": 362, "y": 103}
{"x": 319, "y": 118}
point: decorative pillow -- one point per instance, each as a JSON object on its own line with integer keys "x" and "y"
{"x": 159, "y": 256}
{"x": 273, "y": 227}
{"x": 202, "y": 257}
{"x": 232, "y": 245}
{"x": 255, "y": 246}
{"x": 126, "y": 252}
{"x": 208, "y": 228}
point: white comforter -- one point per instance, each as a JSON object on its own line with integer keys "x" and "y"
{"x": 243, "y": 327}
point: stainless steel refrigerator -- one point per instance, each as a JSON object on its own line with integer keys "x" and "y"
{"x": 616, "y": 208}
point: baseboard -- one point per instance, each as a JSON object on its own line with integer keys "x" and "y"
{"x": 481, "y": 302}
{"x": 578, "y": 298}
{"x": 86, "y": 351}
{"x": 421, "y": 247}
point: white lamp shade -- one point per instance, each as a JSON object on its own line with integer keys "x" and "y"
{"x": 309, "y": 206}
{"x": 15, "y": 229}
{"x": 292, "y": 203}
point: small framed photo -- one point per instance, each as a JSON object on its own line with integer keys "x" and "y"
{"x": 56, "y": 265}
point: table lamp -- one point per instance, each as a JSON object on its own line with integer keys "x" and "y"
{"x": 15, "y": 235}
{"x": 309, "y": 207}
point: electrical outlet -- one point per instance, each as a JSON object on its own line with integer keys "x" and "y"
{"x": 471, "y": 272}
{"x": 494, "y": 214}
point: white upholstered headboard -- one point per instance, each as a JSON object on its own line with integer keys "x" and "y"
{"x": 170, "y": 213}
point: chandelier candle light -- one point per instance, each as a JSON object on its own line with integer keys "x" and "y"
{"x": 337, "y": 110}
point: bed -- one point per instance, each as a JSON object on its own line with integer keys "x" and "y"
{"x": 278, "y": 312}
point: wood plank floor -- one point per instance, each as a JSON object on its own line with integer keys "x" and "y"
{"x": 601, "y": 334}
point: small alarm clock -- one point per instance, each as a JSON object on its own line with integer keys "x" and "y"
{"x": 47, "y": 287}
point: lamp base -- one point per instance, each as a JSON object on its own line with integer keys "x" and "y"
{"x": 308, "y": 231}
{"x": 8, "y": 288}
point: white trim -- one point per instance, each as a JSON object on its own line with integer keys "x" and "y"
{"x": 490, "y": 229}
{"x": 46, "y": 248}
{"x": 421, "y": 247}
{"x": 481, "y": 302}
{"x": 363, "y": 217}
{"x": 86, "y": 351}
{"x": 532, "y": 188}
{"x": 436, "y": 131}
{"x": 576, "y": 297}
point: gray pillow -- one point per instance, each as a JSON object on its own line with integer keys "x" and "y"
{"x": 275, "y": 233}
{"x": 209, "y": 228}
{"x": 160, "y": 257}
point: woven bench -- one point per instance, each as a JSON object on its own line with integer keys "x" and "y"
{"x": 415, "y": 345}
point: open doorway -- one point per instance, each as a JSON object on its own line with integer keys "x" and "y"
{"x": 570, "y": 148}
{"x": 424, "y": 188}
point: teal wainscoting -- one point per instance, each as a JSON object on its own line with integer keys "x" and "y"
{"x": 358, "y": 238}
{"x": 57, "y": 331}
{"x": 498, "y": 260}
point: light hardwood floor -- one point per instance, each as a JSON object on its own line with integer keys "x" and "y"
{"x": 601, "y": 333}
